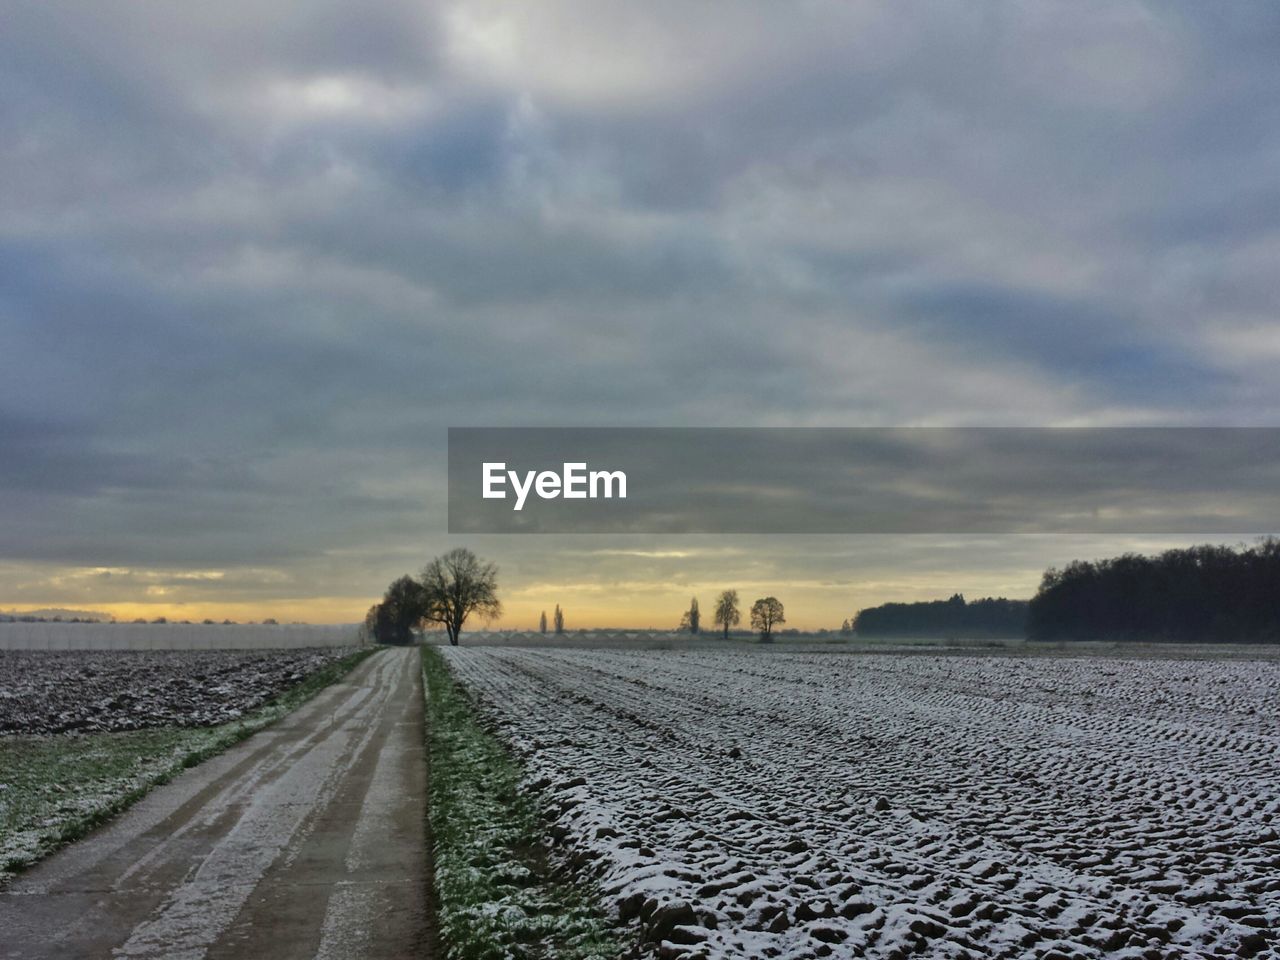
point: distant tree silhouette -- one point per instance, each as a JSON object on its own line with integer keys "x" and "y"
{"x": 766, "y": 613}
{"x": 989, "y": 617}
{"x": 727, "y": 611}
{"x": 377, "y": 624}
{"x": 542, "y": 622}
{"x": 559, "y": 620}
{"x": 401, "y": 610}
{"x": 690, "y": 619}
{"x": 1204, "y": 593}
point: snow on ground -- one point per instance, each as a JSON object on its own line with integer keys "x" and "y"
{"x": 57, "y": 692}
{"x": 771, "y": 804}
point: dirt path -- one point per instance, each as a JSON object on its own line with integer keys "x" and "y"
{"x": 307, "y": 840}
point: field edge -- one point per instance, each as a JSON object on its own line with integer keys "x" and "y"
{"x": 206, "y": 742}
{"x": 498, "y": 890}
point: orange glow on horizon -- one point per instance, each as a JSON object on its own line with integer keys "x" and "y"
{"x": 809, "y": 605}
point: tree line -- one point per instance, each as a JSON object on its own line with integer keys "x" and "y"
{"x": 956, "y": 617}
{"x": 1203, "y": 593}
{"x": 207, "y": 622}
{"x": 558, "y": 620}
{"x": 766, "y": 614}
{"x": 447, "y": 592}
{"x": 458, "y": 584}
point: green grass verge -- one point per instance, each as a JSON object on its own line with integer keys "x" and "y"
{"x": 55, "y": 788}
{"x": 498, "y": 893}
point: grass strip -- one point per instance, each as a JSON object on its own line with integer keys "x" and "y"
{"x": 55, "y": 788}
{"x": 499, "y": 894}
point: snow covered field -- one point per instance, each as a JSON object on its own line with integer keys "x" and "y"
{"x": 174, "y": 636}
{"x": 773, "y": 804}
{"x": 90, "y": 691}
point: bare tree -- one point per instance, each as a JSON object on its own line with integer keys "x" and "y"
{"x": 559, "y": 620}
{"x": 457, "y": 585}
{"x": 766, "y": 613}
{"x": 542, "y": 622}
{"x": 727, "y": 611}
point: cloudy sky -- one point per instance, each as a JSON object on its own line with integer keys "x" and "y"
{"x": 255, "y": 258}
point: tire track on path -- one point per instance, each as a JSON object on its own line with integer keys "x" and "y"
{"x": 308, "y": 839}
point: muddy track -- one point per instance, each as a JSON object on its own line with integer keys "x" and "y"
{"x": 307, "y": 840}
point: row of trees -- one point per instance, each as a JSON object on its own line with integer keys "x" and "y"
{"x": 32, "y": 618}
{"x": 766, "y": 613}
{"x": 558, "y": 621}
{"x": 208, "y": 622}
{"x": 1199, "y": 593}
{"x": 447, "y": 592}
{"x": 1204, "y": 593}
{"x": 458, "y": 584}
{"x": 989, "y": 617}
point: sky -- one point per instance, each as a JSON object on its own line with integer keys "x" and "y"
{"x": 256, "y": 258}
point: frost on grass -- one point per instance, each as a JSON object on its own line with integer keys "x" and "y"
{"x": 52, "y": 788}
{"x": 56, "y": 786}
{"x": 499, "y": 896}
{"x": 782, "y": 805}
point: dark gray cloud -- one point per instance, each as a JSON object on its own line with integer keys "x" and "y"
{"x": 791, "y": 480}
{"x": 255, "y": 258}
